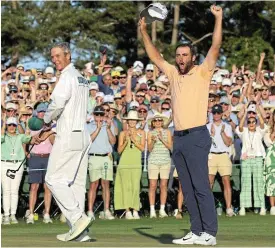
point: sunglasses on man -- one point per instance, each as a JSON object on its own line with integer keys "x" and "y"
{"x": 140, "y": 96}
{"x": 251, "y": 122}
{"x": 251, "y": 112}
{"x": 216, "y": 113}
{"x": 10, "y": 110}
{"x": 122, "y": 77}
{"x": 12, "y": 125}
{"x": 165, "y": 109}
{"x": 97, "y": 114}
{"x": 115, "y": 77}
{"x": 107, "y": 110}
{"x": 43, "y": 88}
{"x": 142, "y": 111}
{"x": 153, "y": 89}
{"x": 158, "y": 120}
{"x": 149, "y": 70}
{"x": 154, "y": 101}
{"x": 14, "y": 91}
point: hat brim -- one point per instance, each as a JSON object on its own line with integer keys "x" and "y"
{"x": 98, "y": 112}
{"x": 148, "y": 18}
{"x": 164, "y": 118}
{"x": 133, "y": 119}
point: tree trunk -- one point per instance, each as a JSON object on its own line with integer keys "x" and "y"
{"x": 15, "y": 53}
{"x": 140, "y": 49}
{"x": 175, "y": 24}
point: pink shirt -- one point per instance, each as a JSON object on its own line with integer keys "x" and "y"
{"x": 44, "y": 147}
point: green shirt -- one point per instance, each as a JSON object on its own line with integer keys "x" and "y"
{"x": 12, "y": 148}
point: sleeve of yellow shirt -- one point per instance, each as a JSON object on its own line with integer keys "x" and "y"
{"x": 25, "y": 138}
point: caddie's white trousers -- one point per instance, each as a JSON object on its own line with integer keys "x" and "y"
{"x": 10, "y": 187}
{"x": 62, "y": 168}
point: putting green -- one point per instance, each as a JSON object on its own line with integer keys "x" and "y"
{"x": 250, "y": 230}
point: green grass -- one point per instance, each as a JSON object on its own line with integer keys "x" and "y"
{"x": 250, "y": 230}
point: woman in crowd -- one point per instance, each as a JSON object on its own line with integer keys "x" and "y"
{"x": 252, "y": 156}
{"x": 159, "y": 162}
{"x": 127, "y": 185}
{"x": 269, "y": 170}
{"x": 11, "y": 157}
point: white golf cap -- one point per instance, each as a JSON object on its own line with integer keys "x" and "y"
{"x": 11, "y": 120}
{"x": 49, "y": 70}
{"x": 149, "y": 67}
{"x": 99, "y": 94}
{"x": 108, "y": 98}
{"x": 138, "y": 64}
{"x": 154, "y": 12}
{"x": 226, "y": 82}
{"x": 11, "y": 105}
{"x": 252, "y": 108}
{"x": 93, "y": 86}
{"x": 134, "y": 104}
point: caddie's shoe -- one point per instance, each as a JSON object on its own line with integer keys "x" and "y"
{"x": 136, "y": 215}
{"x": 108, "y": 215}
{"x": 129, "y": 216}
{"x": 263, "y": 211}
{"x": 30, "y": 219}
{"x": 242, "y": 212}
{"x": 6, "y": 220}
{"x": 84, "y": 237}
{"x": 91, "y": 214}
{"x": 162, "y": 214}
{"x": 188, "y": 239}
{"x": 153, "y": 214}
{"x": 230, "y": 212}
{"x": 13, "y": 219}
{"x": 206, "y": 239}
{"x": 47, "y": 219}
{"x": 272, "y": 211}
{"x": 79, "y": 227}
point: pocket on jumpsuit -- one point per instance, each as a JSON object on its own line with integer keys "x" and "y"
{"x": 76, "y": 142}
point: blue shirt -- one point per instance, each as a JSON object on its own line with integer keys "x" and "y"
{"x": 101, "y": 144}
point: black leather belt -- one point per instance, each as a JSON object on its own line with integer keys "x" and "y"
{"x": 190, "y": 130}
{"x": 12, "y": 161}
{"x": 99, "y": 155}
{"x": 218, "y": 152}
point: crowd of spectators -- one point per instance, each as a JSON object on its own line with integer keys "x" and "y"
{"x": 131, "y": 125}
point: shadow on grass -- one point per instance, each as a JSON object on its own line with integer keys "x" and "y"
{"x": 163, "y": 238}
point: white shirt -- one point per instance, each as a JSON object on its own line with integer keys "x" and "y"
{"x": 217, "y": 141}
{"x": 252, "y": 141}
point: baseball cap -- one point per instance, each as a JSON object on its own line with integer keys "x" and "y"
{"x": 49, "y": 70}
{"x": 119, "y": 69}
{"x": 26, "y": 79}
{"x": 99, "y": 94}
{"x": 149, "y": 67}
{"x": 225, "y": 100}
{"x": 42, "y": 107}
{"x": 163, "y": 79}
{"x": 252, "y": 108}
{"x": 11, "y": 81}
{"x": 108, "y": 98}
{"x": 11, "y": 120}
{"x": 217, "y": 108}
{"x": 134, "y": 104}
{"x": 212, "y": 93}
{"x": 99, "y": 110}
{"x": 117, "y": 95}
{"x": 35, "y": 123}
{"x": 154, "y": 98}
{"x": 258, "y": 87}
{"x": 143, "y": 86}
{"x": 143, "y": 106}
{"x": 20, "y": 65}
{"x": 11, "y": 105}
{"x": 236, "y": 93}
{"x": 154, "y": 12}
{"x": 93, "y": 86}
{"x": 52, "y": 80}
{"x": 226, "y": 82}
{"x": 138, "y": 65}
{"x": 115, "y": 74}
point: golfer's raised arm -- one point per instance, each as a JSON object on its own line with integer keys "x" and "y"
{"x": 213, "y": 52}
{"x": 151, "y": 50}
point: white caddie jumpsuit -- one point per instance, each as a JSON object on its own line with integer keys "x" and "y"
{"x": 68, "y": 107}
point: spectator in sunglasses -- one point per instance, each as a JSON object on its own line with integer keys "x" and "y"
{"x": 149, "y": 72}
{"x": 11, "y": 110}
{"x": 226, "y": 85}
{"x": 13, "y": 92}
{"x": 265, "y": 95}
{"x": 115, "y": 82}
{"x": 253, "y": 153}
{"x": 143, "y": 113}
{"x": 154, "y": 106}
{"x": 100, "y": 159}
{"x": 228, "y": 116}
{"x": 93, "y": 89}
{"x": 24, "y": 116}
{"x": 213, "y": 85}
{"x": 140, "y": 97}
{"x": 122, "y": 79}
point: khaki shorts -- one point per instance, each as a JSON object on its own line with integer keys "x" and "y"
{"x": 100, "y": 168}
{"x": 219, "y": 163}
{"x": 155, "y": 170}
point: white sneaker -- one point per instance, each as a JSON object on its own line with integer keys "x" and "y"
{"x": 230, "y": 212}
{"x": 91, "y": 214}
{"x": 129, "y": 216}
{"x": 30, "y": 219}
{"x": 47, "y": 219}
{"x": 153, "y": 214}
{"x": 6, "y": 220}
{"x": 108, "y": 215}
{"x": 79, "y": 227}
{"x": 162, "y": 214}
{"x": 242, "y": 212}
{"x": 188, "y": 239}
{"x": 84, "y": 237}
{"x": 205, "y": 239}
{"x": 135, "y": 215}
{"x": 256, "y": 210}
{"x": 13, "y": 219}
{"x": 272, "y": 211}
{"x": 263, "y": 211}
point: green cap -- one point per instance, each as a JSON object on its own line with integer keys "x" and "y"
{"x": 35, "y": 123}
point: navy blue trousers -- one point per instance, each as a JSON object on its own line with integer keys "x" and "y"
{"x": 190, "y": 155}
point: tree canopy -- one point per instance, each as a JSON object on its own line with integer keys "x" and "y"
{"x": 29, "y": 29}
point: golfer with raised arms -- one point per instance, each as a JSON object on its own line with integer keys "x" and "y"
{"x": 67, "y": 167}
{"x": 189, "y": 91}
